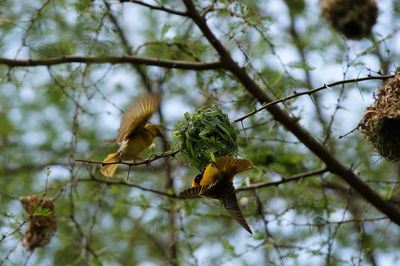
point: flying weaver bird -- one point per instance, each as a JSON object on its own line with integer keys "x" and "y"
{"x": 217, "y": 182}
{"x": 134, "y": 135}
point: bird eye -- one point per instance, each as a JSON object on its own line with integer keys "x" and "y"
{"x": 197, "y": 179}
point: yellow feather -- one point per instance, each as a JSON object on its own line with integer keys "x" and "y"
{"x": 216, "y": 182}
{"x": 134, "y": 136}
{"x": 224, "y": 166}
{"x": 109, "y": 169}
{"x": 230, "y": 166}
{"x": 132, "y": 147}
{"x": 137, "y": 114}
{"x": 211, "y": 174}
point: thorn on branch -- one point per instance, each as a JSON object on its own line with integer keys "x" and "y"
{"x": 350, "y": 132}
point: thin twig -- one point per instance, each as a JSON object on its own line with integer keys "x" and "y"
{"x": 326, "y": 222}
{"x": 4, "y": 236}
{"x": 161, "y": 8}
{"x": 112, "y": 60}
{"x": 309, "y": 92}
{"x": 146, "y": 162}
{"x": 284, "y": 180}
{"x": 129, "y": 184}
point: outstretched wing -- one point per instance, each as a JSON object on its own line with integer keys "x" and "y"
{"x": 230, "y": 203}
{"x": 198, "y": 191}
{"x": 230, "y": 166}
{"x": 137, "y": 114}
{"x": 192, "y": 192}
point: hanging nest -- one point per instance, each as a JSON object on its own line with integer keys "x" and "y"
{"x": 206, "y": 133}
{"x": 381, "y": 121}
{"x": 42, "y": 222}
{"x": 353, "y": 18}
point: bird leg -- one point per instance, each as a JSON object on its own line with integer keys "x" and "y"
{"x": 129, "y": 171}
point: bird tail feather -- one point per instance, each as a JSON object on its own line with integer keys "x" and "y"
{"x": 232, "y": 207}
{"x": 109, "y": 169}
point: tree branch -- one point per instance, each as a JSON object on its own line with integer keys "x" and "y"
{"x": 128, "y": 49}
{"x": 327, "y": 222}
{"x": 309, "y": 92}
{"x": 161, "y": 8}
{"x": 112, "y": 60}
{"x": 292, "y": 124}
{"x": 283, "y": 180}
{"x": 125, "y": 183}
{"x": 146, "y": 162}
{"x": 299, "y": 44}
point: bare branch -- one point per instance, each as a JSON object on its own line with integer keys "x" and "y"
{"x": 145, "y": 162}
{"x": 4, "y": 236}
{"x": 33, "y": 19}
{"x": 326, "y": 222}
{"x": 161, "y": 8}
{"x": 112, "y": 60}
{"x": 299, "y": 44}
{"x": 284, "y": 180}
{"x": 126, "y": 183}
{"x": 162, "y": 193}
{"x": 309, "y": 92}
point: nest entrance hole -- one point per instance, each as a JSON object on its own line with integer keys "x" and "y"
{"x": 352, "y": 29}
{"x": 389, "y": 128}
{"x": 388, "y": 138}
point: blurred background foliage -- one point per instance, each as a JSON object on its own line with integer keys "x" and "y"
{"x": 52, "y": 116}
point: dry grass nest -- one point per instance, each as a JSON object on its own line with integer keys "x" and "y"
{"x": 381, "y": 121}
{"x": 42, "y": 221}
{"x": 353, "y": 18}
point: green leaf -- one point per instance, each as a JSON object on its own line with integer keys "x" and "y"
{"x": 230, "y": 249}
{"x": 165, "y": 29}
{"x": 301, "y": 65}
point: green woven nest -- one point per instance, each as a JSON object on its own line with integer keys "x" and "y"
{"x": 381, "y": 121}
{"x": 208, "y": 132}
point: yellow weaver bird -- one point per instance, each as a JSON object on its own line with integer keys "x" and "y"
{"x": 134, "y": 135}
{"x": 217, "y": 182}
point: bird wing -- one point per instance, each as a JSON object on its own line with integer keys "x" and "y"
{"x": 137, "y": 114}
{"x": 230, "y": 166}
{"x": 230, "y": 203}
{"x": 198, "y": 191}
{"x": 228, "y": 199}
{"x": 193, "y": 192}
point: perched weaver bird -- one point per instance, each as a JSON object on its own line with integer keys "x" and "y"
{"x": 217, "y": 182}
{"x": 134, "y": 135}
